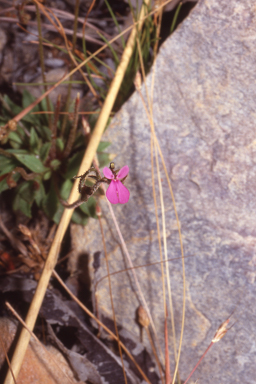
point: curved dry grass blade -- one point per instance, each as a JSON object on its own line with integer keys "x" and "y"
{"x": 65, "y": 219}
{"x": 156, "y": 143}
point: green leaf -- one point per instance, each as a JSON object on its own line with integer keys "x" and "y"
{"x": 17, "y": 138}
{"x": 73, "y": 165}
{"x": 31, "y": 162}
{"x": 79, "y": 142}
{"x": 103, "y": 145}
{"x": 25, "y": 207}
{"x": 116, "y": 22}
{"x": 27, "y": 100}
{"x": 34, "y": 140}
{"x": 14, "y": 108}
{"x": 60, "y": 144}
{"x": 103, "y": 159}
{"x": 47, "y": 175}
{"x": 39, "y": 195}
{"x": 65, "y": 189}
{"x": 64, "y": 192}
{"x": 4, "y": 185}
{"x": 115, "y": 56}
{"x": 50, "y": 202}
{"x": 44, "y": 151}
{"x": 7, "y": 164}
{"x": 44, "y": 105}
{"x": 89, "y": 208}
{"x": 44, "y": 132}
{"x": 18, "y": 151}
{"x": 55, "y": 164}
{"x": 79, "y": 218}
{"x": 24, "y": 197}
{"x": 93, "y": 118}
{"x": 44, "y": 117}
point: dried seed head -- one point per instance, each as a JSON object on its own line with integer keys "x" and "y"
{"x": 24, "y": 230}
{"x": 12, "y": 125}
{"x": 112, "y": 165}
{"x": 143, "y": 318}
{"x": 86, "y": 126}
{"x": 221, "y": 331}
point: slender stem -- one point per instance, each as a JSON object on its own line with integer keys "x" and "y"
{"x": 52, "y": 154}
{"x": 111, "y": 298}
{"x": 72, "y": 133}
{"x": 41, "y": 56}
{"x": 155, "y": 354}
{"x": 174, "y": 21}
{"x": 193, "y": 370}
{"x": 70, "y": 79}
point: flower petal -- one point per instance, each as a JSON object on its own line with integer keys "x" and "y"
{"x": 108, "y": 173}
{"x": 123, "y": 172}
{"x": 112, "y": 192}
{"x": 123, "y": 193}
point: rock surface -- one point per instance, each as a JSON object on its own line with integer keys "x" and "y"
{"x": 204, "y": 116}
{"x": 40, "y": 365}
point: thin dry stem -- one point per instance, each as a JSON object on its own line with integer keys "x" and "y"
{"x": 168, "y": 280}
{"x": 111, "y": 297}
{"x": 41, "y": 55}
{"x": 160, "y": 369}
{"x": 182, "y": 257}
{"x": 151, "y": 121}
{"x": 168, "y": 379}
{"x": 153, "y": 147}
{"x": 133, "y": 271}
{"x": 52, "y": 153}
{"x": 137, "y": 267}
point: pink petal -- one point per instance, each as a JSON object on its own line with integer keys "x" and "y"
{"x": 123, "y": 193}
{"x": 123, "y": 172}
{"x": 108, "y": 173}
{"x": 112, "y": 191}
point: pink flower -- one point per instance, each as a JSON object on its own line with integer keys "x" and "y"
{"x": 117, "y": 192}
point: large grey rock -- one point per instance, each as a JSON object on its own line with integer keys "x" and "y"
{"x": 204, "y": 115}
